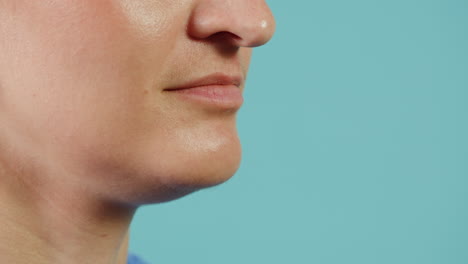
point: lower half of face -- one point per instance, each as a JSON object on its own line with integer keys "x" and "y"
{"x": 82, "y": 91}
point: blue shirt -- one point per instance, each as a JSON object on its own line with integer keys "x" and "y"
{"x": 134, "y": 259}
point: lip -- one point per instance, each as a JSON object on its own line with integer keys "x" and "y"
{"x": 217, "y": 91}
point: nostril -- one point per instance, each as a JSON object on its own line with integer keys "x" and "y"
{"x": 229, "y": 36}
{"x": 226, "y": 43}
{"x": 225, "y": 37}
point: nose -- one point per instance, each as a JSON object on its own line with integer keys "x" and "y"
{"x": 247, "y": 23}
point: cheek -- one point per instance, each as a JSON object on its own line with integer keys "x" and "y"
{"x": 151, "y": 18}
{"x": 83, "y": 72}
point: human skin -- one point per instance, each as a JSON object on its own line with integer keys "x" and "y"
{"x": 88, "y": 132}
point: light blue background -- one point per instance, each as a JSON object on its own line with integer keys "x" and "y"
{"x": 355, "y": 138}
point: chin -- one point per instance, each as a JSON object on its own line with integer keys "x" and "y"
{"x": 205, "y": 170}
{"x": 188, "y": 166}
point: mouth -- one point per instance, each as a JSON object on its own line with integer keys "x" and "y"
{"x": 216, "y": 91}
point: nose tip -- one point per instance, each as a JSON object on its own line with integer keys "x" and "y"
{"x": 249, "y": 23}
{"x": 257, "y": 33}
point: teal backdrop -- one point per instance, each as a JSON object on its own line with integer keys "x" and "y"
{"x": 355, "y": 145}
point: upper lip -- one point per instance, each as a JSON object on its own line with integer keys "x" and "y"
{"x": 208, "y": 80}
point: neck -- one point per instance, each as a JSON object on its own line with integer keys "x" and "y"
{"x": 47, "y": 223}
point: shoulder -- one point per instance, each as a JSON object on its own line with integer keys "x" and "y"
{"x": 134, "y": 259}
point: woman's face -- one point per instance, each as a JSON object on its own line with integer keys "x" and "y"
{"x": 83, "y": 99}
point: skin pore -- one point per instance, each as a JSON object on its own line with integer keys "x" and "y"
{"x": 88, "y": 132}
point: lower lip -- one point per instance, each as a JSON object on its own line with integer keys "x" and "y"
{"x": 224, "y": 97}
